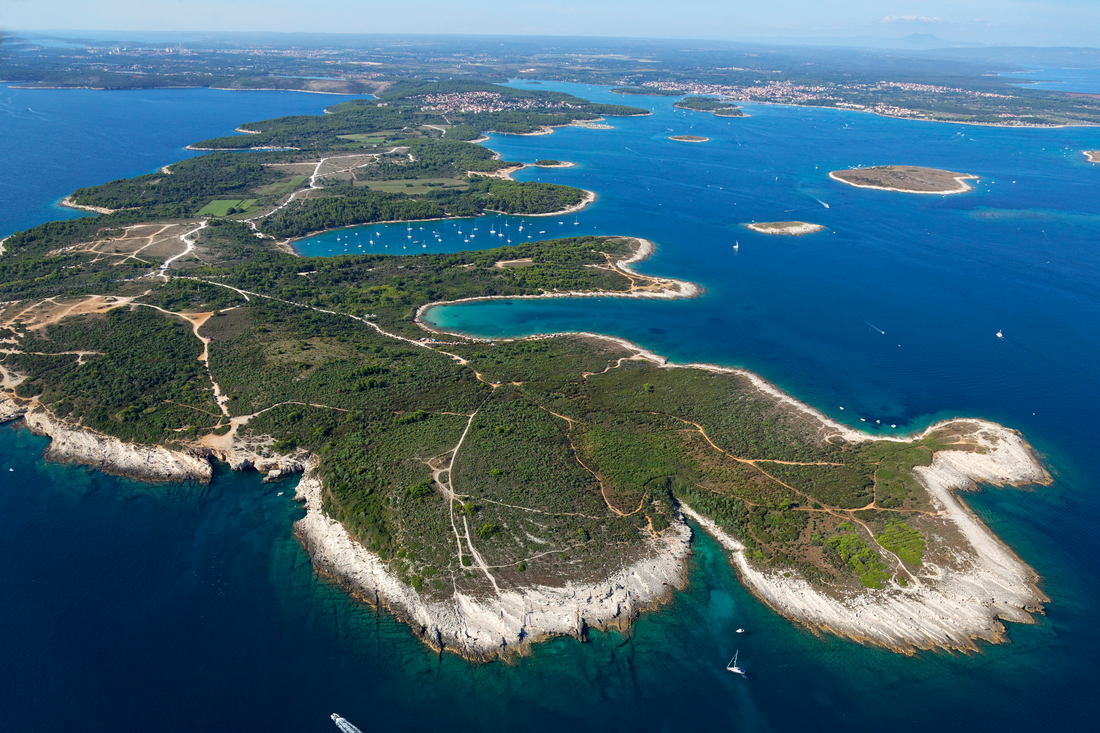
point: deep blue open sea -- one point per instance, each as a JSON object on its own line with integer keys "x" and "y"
{"x": 184, "y": 608}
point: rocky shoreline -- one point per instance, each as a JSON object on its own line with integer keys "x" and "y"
{"x": 948, "y": 608}
{"x": 476, "y": 628}
{"x": 76, "y": 444}
{"x": 484, "y": 628}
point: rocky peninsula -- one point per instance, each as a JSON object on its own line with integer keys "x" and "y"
{"x": 490, "y": 492}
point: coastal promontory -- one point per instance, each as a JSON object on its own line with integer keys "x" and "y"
{"x": 906, "y": 179}
{"x": 1093, "y": 155}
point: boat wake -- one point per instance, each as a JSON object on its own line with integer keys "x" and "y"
{"x": 1005, "y": 339}
{"x": 344, "y": 725}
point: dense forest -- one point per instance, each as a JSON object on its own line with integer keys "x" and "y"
{"x": 709, "y": 104}
{"x": 348, "y": 205}
{"x": 189, "y": 184}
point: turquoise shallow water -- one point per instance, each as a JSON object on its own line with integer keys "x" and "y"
{"x": 127, "y": 606}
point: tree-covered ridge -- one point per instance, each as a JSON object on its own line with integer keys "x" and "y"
{"x": 262, "y": 185}
{"x": 133, "y": 374}
{"x": 310, "y": 132}
{"x": 439, "y": 158}
{"x": 400, "y": 110}
{"x": 392, "y": 288}
{"x": 709, "y": 104}
{"x": 347, "y": 205}
{"x": 648, "y": 92}
{"x": 188, "y": 184}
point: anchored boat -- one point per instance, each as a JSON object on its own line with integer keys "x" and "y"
{"x": 732, "y": 666}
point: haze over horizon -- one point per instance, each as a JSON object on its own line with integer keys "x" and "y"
{"x": 1015, "y": 22}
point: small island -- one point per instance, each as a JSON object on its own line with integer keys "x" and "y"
{"x": 689, "y": 139}
{"x": 1092, "y": 155}
{"x": 710, "y": 104}
{"x": 906, "y": 179}
{"x": 790, "y": 228}
{"x": 547, "y": 163}
{"x": 648, "y": 92}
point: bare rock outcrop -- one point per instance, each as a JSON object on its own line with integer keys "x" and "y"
{"x": 248, "y": 456}
{"x": 74, "y": 444}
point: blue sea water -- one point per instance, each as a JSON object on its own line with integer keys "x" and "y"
{"x": 54, "y": 141}
{"x": 1084, "y": 81}
{"x": 126, "y": 606}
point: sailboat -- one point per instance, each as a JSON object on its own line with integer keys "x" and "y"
{"x": 736, "y": 245}
{"x": 732, "y": 666}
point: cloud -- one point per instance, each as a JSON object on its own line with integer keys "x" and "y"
{"x": 910, "y": 19}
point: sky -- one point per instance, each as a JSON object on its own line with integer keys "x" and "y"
{"x": 1017, "y": 22}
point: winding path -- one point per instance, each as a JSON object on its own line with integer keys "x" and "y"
{"x": 188, "y": 239}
